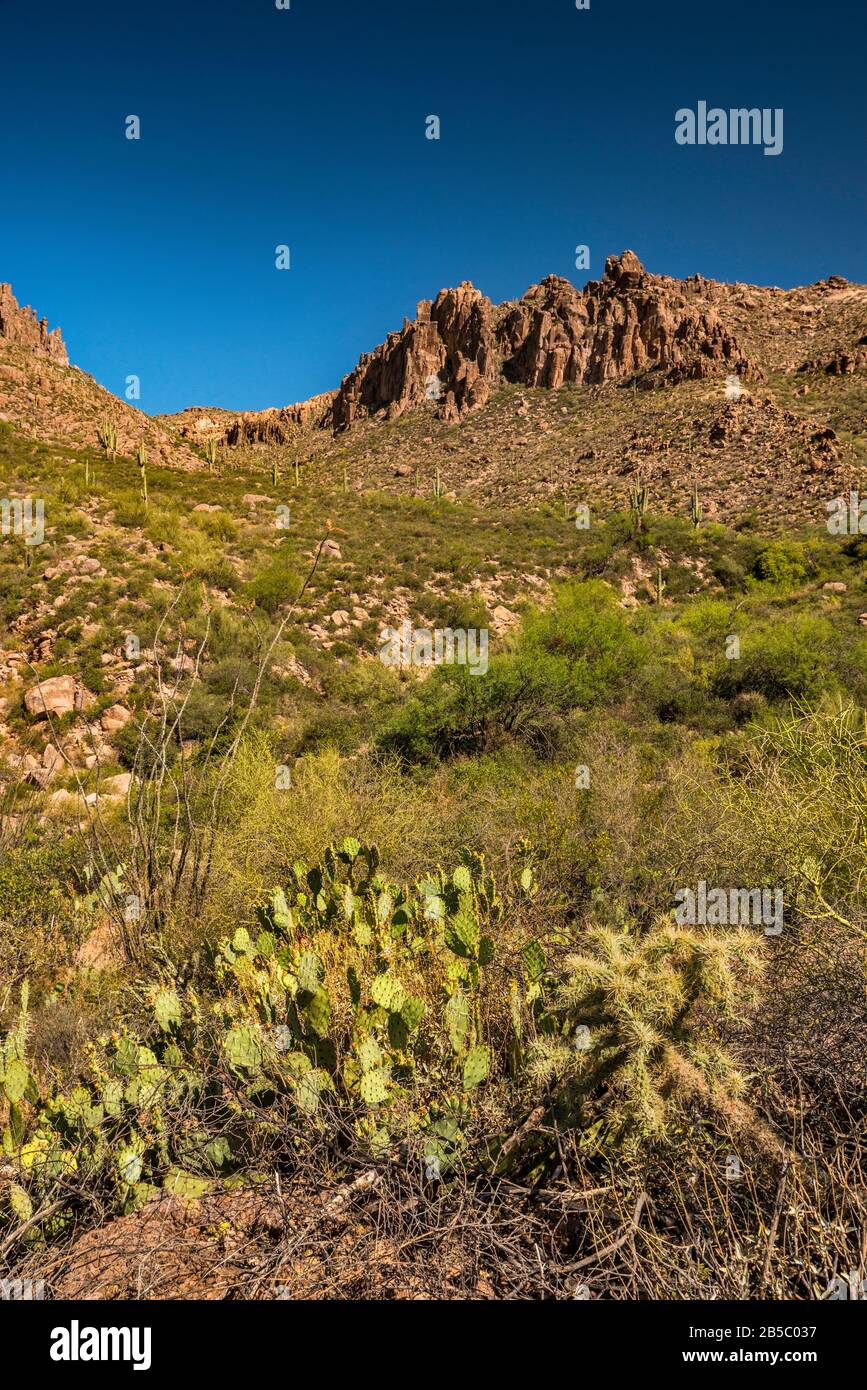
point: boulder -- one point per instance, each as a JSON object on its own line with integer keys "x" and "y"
{"x": 503, "y": 617}
{"x": 114, "y": 718}
{"x": 52, "y": 759}
{"x": 117, "y": 787}
{"x": 56, "y": 696}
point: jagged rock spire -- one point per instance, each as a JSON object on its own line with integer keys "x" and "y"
{"x": 22, "y": 328}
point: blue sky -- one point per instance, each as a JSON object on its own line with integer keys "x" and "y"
{"x": 306, "y": 127}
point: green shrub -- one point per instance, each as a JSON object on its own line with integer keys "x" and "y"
{"x": 571, "y": 657}
{"x": 782, "y": 563}
{"x": 275, "y": 586}
{"x": 790, "y": 660}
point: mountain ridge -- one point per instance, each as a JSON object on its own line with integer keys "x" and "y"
{"x": 630, "y": 324}
{"x": 462, "y": 356}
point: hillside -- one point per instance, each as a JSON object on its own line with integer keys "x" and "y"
{"x": 562, "y": 395}
{"x": 330, "y": 973}
{"x": 48, "y": 399}
{"x": 571, "y": 395}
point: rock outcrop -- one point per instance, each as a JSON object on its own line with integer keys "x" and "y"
{"x": 843, "y": 363}
{"x": 447, "y": 355}
{"x": 461, "y": 345}
{"x": 628, "y": 322}
{"x": 46, "y": 398}
{"x": 279, "y": 426}
{"x": 22, "y": 328}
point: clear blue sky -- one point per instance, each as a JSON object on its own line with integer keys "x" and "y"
{"x": 307, "y": 127}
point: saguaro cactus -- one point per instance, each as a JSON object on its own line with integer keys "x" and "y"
{"x": 106, "y": 433}
{"x": 142, "y": 460}
{"x": 639, "y": 498}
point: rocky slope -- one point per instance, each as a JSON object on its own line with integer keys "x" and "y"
{"x": 47, "y": 399}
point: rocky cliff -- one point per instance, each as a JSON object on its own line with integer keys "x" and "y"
{"x": 23, "y": 329}
{"x": 461, "y": 345}
{"x": 45, "y": 398}
{"x": 279, "y": 426}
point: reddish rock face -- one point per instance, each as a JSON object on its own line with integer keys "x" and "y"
{"x": 22, "y": 328}
{"x": 279, "y": 426}
{"x": 462, "y": 344}
{"x": 447, "y": 355}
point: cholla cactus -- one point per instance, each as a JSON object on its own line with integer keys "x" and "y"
{"x": 633, "y": 1002}
{"x": 734, "y": 389}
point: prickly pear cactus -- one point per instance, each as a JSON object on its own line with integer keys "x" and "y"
{"x": 369, "y": 1054}
{"x": 129, "y": 1166}
{"x": 281, "y": 913}
{"x": 167, "y": 1010}
{"x": 308, "y": 1089}
{"x": 309, "y": 972}
{"x": 318, "y": 1012}
{"x": 462, "y": 932}
{"x": 242, "y": 1049}
{"x": 19, "y": 1201}
{"x": 388, "y": 993}
{"x": 412, "y": 1012}
{"x": 374, "y": 1086}
{"x": 462, "y": 879}
{"x": 126, "y": 1056}
{"x": 457, "y": 1021}
{"x": 476, "y": 1067}
{"x": 16, "y": 1080}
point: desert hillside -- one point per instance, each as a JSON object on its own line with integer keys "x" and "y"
{"x": 432, "y": 815}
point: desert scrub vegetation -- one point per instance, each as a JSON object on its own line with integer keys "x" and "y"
{"x": 352, "y": 920}
{"x": 522, "y": 1008}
